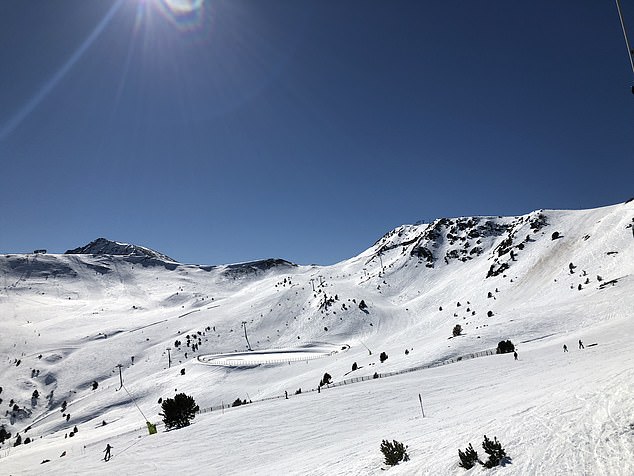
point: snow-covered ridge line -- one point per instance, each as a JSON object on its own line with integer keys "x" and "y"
{"x": 541, "y": 280}
{"x": 103, "y": 246}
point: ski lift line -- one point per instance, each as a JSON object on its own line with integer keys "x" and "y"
{"x": 134, "y": 401}
{"x": 627, "y": 42}
{"x": 127, "y": 448}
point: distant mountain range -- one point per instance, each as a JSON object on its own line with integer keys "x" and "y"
{"x": 426, "y": 294}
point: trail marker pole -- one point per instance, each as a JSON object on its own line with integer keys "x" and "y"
{"x": 421, "y": 405}
{"x": 169, "y": 358}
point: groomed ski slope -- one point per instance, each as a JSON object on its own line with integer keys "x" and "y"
{"x": 554, "y": 412}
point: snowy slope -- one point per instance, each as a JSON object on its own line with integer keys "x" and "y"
{"x": 541, "y": 280}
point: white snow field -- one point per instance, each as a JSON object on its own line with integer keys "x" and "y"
{"x": 542, "y": 280}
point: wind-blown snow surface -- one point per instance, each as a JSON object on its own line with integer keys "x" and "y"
{"x": 70, "y": 319}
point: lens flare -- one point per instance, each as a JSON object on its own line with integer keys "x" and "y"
{"x": 183, "y": 6}
{"x": 60, "y": 74}
{"x": 184, "y": 14}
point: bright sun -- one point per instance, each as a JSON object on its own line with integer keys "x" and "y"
{"x": 182, "y": 7}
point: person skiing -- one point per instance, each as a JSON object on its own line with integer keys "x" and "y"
{"x": 581, "y": 344}
{"x": 565, "y": 348}
{"x": 515, "y": 355}
{"x": 107, "y": 451}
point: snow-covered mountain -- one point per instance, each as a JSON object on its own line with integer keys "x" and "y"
{"x": 541, "y": 280}
{"x": 103, "y": 246}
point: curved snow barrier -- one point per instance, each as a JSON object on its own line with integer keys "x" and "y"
{"x": 273, "y": 356}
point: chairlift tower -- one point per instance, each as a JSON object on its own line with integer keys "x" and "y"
{"x": 244, "y": 324}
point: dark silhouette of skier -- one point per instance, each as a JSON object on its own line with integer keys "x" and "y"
{"x": 515, "y": 355}
{"x": 581, "y": 344}
{"x": 286, "y": 394}
{"x": 107, "y": 451}
{"x": 565, "y": 348}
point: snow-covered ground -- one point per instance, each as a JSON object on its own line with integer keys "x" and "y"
{"x": 554, "y": 277}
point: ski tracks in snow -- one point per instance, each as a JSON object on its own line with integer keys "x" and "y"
{"x": 603, "y": 440}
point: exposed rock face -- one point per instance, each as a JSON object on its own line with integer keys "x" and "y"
{"x": 103, "y": 246}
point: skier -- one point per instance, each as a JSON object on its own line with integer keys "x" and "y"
{"x": 581, "y": 344}
{"x": 107, "y": 451}
{"x": 515, "y": 355}
{"x": 565, "y": 348}
{"x": 286, "y": 394}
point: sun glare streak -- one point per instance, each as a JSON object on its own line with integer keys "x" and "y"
{"x": 24, "y": 112}
{"x": 138, "y": 19}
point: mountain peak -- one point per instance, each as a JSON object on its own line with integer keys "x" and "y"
{"x": 103, "y": 246}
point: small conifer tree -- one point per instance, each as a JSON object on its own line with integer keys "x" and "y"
{"x": 394, "y": 452}
{"x": 494, "y": 450}
{"x": 504, "y": 347}
{"x": 468, "y": 458}
{"x": 4, "y": 434}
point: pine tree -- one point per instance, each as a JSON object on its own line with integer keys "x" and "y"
{"x": 494, "y": 450}
{"x": 327, "y": 378}
{"x": 178, "y": 411}
{"x": 4, "y": 434}
{"x": 394, "y": 452}
{"x": 505, "y": 347}
{"x": 469, "y": 458}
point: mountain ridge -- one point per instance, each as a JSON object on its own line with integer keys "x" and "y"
{"x": 103, "y": 246}
{"x": 71, "y": 319}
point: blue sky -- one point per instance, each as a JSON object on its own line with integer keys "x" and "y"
{"x": 302, "y": 129}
